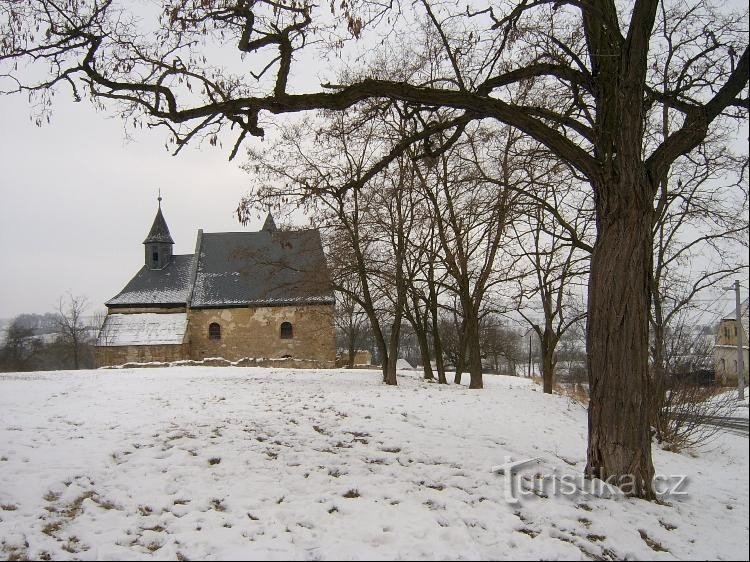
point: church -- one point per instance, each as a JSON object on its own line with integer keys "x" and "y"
{"x": 265, "y": 295}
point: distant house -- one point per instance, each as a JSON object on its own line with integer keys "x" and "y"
{"x": 725, "y": 349}
{"x": 264, "y": 294}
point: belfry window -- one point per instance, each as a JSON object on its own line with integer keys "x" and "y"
{"x": 287, "y": 332}
{"x": 214, "y": 331}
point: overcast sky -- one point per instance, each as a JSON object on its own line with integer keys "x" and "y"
{"x": 77, "y": 201}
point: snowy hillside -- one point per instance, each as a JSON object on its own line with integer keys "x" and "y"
{"x": 225, "y": 463}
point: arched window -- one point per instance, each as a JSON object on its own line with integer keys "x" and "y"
{"x": 214, "y": 331}
{"x": 287, "y": 332}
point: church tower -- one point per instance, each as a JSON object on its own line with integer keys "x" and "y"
{"x": 158, "y": 243}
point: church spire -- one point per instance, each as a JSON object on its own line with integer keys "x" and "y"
{"x": 159, "y": 230}
{"x": 158, "y": 242}
{"x": 269, "y": 225}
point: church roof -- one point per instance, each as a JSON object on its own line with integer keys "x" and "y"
{"x": 159, "y": 230}
{"x": 266, "y": 268}
{"x": 168, "y": 286}
{"x": 142, "y": 329}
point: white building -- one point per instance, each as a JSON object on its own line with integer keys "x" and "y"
{"x": 725, "y": 349}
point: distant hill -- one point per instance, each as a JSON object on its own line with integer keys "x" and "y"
{"x": 44, "y": 326}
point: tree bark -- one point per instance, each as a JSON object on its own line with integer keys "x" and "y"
{"x": 474, "y": 351}
{"x": 459, "y": 368}
{"x": 548, "y": 360}
{"x": 619, "y": 449}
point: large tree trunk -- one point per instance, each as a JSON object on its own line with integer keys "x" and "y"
{"x": 619, "y": 449}
{"x": 389, "y": 366}
{"x": 459, "y": 365}
{"x": 548, "y": 360}
{"x": 548, "y": 373}
{"x": 352, "y": 351}
{"x": 474, "y": 352}
{"x": 389, "y": 372}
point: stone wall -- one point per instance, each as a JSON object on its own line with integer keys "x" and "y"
{"x": 362, "y": 358}
{"x": 108, "y": 356}
{"x": 256, "y": 332}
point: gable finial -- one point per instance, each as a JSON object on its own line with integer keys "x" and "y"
{"x": 159, "y": 198}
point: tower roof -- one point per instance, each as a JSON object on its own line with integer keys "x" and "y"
{"x": 159, "y": 230}
{"x": 269, "y": 225}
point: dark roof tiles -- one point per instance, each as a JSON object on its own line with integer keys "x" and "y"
{"x": 266, "y": 268}
{"x": 261, "y": 268}
{"x": 167, "y": 286}
{"x": 159, "y": 230}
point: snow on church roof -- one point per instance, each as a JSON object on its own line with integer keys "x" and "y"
{"x": 142, "y": 329}
{"x": 167, "y": 286}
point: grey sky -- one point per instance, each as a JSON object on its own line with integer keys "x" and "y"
{"x": 76, "y": 202}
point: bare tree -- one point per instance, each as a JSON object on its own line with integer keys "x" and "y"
{"x": 368, "y": 227}
{"x": 471, "y": 216}
{"x": 550, "y": 295}
{"x": 499, "y": 342}
{"x": 350, "y": 322}
{"x": 72, "y": 326}
{"x": 700, "y": 234}
{"x": 691, "y": 407}
{"x": 591, "y": 69}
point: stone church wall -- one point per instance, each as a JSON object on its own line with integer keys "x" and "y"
{"x": 256, "y": 332}
{"x": 107, "y": 356}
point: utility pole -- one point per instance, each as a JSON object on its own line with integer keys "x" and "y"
{"x": 740, "y": 338}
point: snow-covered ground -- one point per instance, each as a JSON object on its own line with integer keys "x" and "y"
{"x": 239, "y": 463}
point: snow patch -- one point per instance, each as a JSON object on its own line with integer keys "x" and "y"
{"x": 145, "y": 328}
